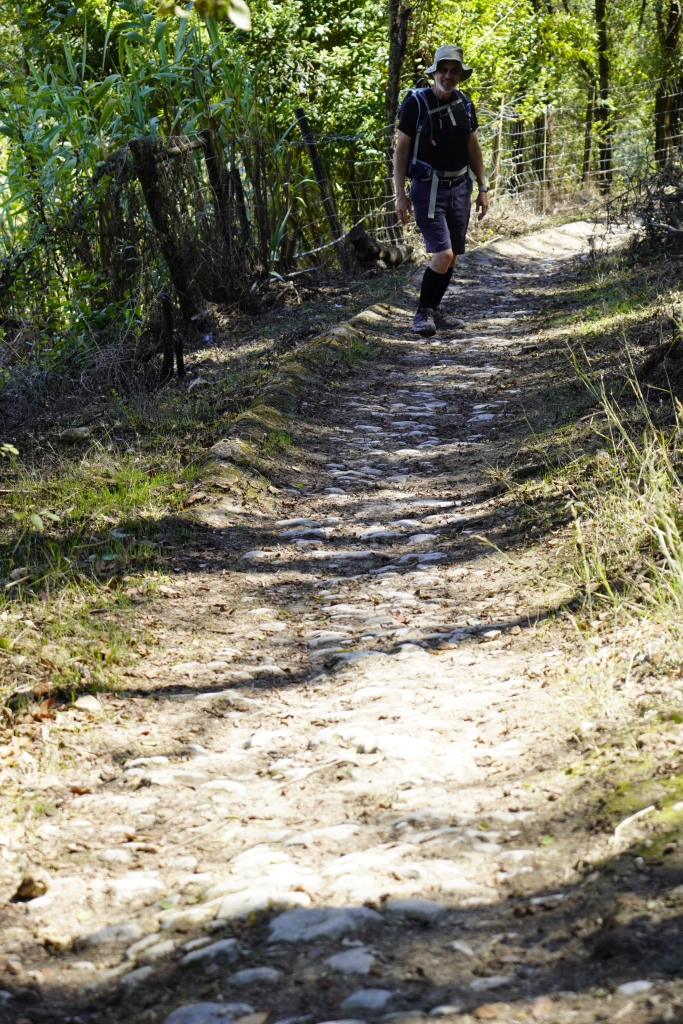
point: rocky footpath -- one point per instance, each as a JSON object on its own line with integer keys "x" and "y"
{"x": 338, "y": 786}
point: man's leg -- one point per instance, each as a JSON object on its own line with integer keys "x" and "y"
{"x": 443, "y": 265}
{"x": 457, "y": 216}
{"x": 437, "y": 241}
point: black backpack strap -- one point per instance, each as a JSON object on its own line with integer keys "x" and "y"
{"x": 459, "y": 99}
{"x": 422, "y": 115}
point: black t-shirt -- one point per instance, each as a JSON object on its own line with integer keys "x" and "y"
{"x": 443, "y": 145}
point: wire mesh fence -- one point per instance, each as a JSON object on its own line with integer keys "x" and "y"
{"x": 580, "y": 148}
{"x": 217, "y": 218}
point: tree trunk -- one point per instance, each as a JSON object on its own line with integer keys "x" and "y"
{"x": 167, "y": 337}
{"x": 157, "y": 204}
{"x": 603, "y": 113}
{"x": 588, "y": 135}
{"x": 668, "y": 100}
{"x": 398, "y": 17}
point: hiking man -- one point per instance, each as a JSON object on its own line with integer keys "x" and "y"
{"x": 436, "y": 146}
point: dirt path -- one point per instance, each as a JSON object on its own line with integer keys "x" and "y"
{"x": 337, "y": 786}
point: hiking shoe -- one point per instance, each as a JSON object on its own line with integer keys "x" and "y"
{"x": 423, "y": 323}
{"x": 447, "y": 323}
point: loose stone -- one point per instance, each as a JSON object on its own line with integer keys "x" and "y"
{"x": 352, "y": 961}
{"x": 368, "y": 999}
{"x": 265, "y": 975}
{"x": 320, "y": 922}
{"x": 634, "y": 988}
{"x": 208, "y": 1013}
{"x": 135, "y": 978}
{"x": 225, "y": 949}
{"x": 416, "y": 909}
{"x": 156, "y": 952}
{"x": 89, "y": 703}
{"x": 139, "y": 947}
{"x": 493, "y": 981}
{"x": 126, "y": 932}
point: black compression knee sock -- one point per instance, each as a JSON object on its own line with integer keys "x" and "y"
{"x": 433, "y": 287}
{"x": 445, "y": 281}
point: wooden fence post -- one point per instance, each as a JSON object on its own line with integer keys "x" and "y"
{"x": 330, "y": 212}
{"x": 496, "y": 152}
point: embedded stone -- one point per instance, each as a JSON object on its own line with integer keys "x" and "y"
{"x": 321, "y": 922}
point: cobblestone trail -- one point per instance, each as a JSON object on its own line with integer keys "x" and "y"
{"x": 335, "y": 787}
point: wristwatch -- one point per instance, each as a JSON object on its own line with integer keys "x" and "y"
{"x": 483, "y": 188}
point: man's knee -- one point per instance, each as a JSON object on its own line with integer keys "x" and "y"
{"x": 441, "y": 261}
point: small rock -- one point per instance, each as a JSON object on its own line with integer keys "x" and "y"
{"x": 136, "y": 883}
{"x": 416, "y": 909}
{"x": 296, "y": 1020}
{"x": 224, "y": 949}
{"x": 460, "y": 946}
{"x": 135, "y": 978}
{"x": 255, "y": 901}
{"x": 267, "y": 975}
{"x": 39, "y": 904}
{"x": 368, "y": 999}
{"x": 82, "y": 965}
{"x": 32, "y": 886}
{"x": 490, "y": 1011}
{"x": 352, "y": 1020}
{"x": 634, "y": 988}
{"x": 156, "y": 951}
{"x": 445, "y": 1010}
{"x": 72, "y": 435}
{"x": 54, "y": 941}
{"x": 139, "y": 947}
{"x": 419, "y": 539}
{"x": 128, "y": 931}
{"x": 353, "y": 961}
{"x": 116, "y": 855}
{"x": 208, "y": 1013}
{"x": 493, "y": 981}
{"x": 89, "y": 703}
{"x": 542, "y": 1006}
{"x": 187, "y": 919}
{"x": 203, "y": 940}
{"x": 320, "y": 922}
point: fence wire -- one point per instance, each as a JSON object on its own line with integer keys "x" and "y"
{"x": 219, "y": 217}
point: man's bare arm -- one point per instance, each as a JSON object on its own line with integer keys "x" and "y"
{"x": 401, "y": 157}
{"x": 477, "y": 165}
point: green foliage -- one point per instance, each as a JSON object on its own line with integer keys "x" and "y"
{"x": 81, "y": 266}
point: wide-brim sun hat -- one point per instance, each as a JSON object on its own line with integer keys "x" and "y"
{"x": 448, "y": 52}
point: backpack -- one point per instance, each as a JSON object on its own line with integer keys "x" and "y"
{"x": 419, "y": 168}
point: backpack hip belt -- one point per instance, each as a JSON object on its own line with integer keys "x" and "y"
{"x": 436, "y": 177}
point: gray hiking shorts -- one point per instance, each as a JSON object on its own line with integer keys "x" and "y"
{"x": 448, "y": 228}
